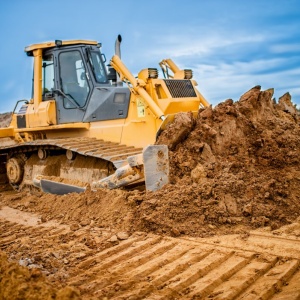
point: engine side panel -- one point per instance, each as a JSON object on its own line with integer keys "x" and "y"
{"x": 107, "y": 103}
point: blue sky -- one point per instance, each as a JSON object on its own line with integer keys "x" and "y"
{"x": 230, "y": 45}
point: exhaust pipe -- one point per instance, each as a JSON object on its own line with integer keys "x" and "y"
{"x": 118, "y": 46}
{"x": 118, "y": 53}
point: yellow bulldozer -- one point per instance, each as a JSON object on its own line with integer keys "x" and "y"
{"x": 92, "y": 123}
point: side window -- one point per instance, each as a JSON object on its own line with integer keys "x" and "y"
{"x": 48, "y": 77}
{"x": 73, "y": 79}
{"x": 98, "y": 67}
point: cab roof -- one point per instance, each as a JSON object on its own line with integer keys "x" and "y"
{"x": 52, "y": 44}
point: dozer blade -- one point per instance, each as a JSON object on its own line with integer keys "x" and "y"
{"x": 58, "y": 188}
{"x": 156, "y": 167}
{"x": 152, "y": 166}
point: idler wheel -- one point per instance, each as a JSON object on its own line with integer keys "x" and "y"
{"x": 15, "y": 170}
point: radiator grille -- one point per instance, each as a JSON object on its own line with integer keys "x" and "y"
{"x": 180, "y": 88}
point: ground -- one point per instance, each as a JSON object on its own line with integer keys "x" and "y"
{"x": 227, "y": 226}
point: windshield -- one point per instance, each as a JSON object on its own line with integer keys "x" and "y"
{"x": 98, "y": 67}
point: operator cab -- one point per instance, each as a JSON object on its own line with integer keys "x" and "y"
{"x": 73, "y": 73}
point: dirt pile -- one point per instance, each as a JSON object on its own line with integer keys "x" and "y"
{"x": 238, "y": 165}
{"x": 234, "y": 167}
{"x": 5, "y": 119}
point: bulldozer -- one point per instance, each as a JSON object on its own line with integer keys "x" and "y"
{"x": 94, "y": 124}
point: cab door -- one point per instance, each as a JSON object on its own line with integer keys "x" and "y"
{"x": 73, "y": 86}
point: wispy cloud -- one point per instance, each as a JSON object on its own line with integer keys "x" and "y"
{"x": 224, "y": 81}
{"x": 191, "y": 45}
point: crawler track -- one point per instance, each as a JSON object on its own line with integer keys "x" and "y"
{"x": 92, "y": 147}
{"x": 154, "y": 267}
{"x": 81, "y": 159}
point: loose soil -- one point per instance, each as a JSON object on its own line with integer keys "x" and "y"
{"x": 5, "y": 119}
{"x": 234, "y": 168}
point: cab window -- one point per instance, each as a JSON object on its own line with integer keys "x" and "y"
{"x": 98, "y": 67}
{"x": 48, "y": 77}
{"x": 73, "y": 79}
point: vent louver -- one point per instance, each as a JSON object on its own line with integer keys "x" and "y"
{"x": 179, "y": 88}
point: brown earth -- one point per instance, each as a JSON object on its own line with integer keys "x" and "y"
{"x": 19, "y": 282}
{"x": 234, "y": 168}
{"x": 5, "y": 119}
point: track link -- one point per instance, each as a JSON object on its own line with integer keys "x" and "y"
{"x": 79, "y": 160}
{"x": 92, "y": 147}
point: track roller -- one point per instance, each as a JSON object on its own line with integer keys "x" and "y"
{"x": 42, "y": 153}
{"x": 70, "y": 154}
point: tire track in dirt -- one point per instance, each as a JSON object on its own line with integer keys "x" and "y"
{"x": 150, "y": 266}
{"x": 201, "y": 273}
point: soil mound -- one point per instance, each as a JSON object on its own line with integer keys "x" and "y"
{"x": 238, "y": 164}
{"x": 234, "y": 167}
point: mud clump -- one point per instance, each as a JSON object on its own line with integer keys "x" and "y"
{"x": 18, "y": 282}
{"x": 177, "y": 130}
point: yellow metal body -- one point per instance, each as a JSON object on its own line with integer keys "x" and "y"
{"x": 52, "y": 44}
{"x": 7, "y": 132}
{"x": 150, "y": 104}
{"x": 137, "y": 85}
{"x": 42, "y": 114}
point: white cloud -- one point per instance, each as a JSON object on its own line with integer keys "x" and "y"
{"x": 177, "y": 46}
{"x": 218, "y": 83}
{"x": 210, "y": 44}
